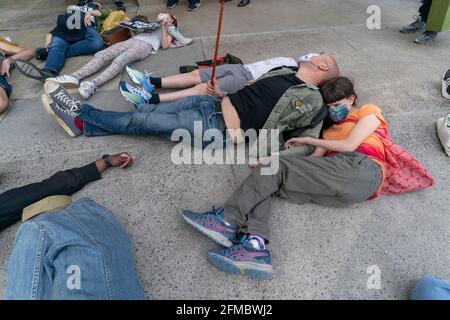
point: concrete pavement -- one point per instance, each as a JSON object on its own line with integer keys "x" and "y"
{"x": 318, "y": 253}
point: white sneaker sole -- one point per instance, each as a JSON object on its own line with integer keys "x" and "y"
{"x": 132, "y": 77}
{"x": 48, "y": 108}
{"x": 67, "y": 85}
{"x": 444, "y": 88}
{"x": 215, "y": 236}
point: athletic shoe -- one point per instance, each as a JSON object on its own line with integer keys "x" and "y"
{"x": 56, "y": 93}
{"x": 417, "y": 26}
{"x": 30, "y": 70}
{"x": 446, "y": 84}
{"x": 243, "y": 259}
{"x": 87, "y": 89}
{"x": 175, "y": 33}
{"x": 426, "y": 37}
{"x": 67, "y": 81}
{"x": 41, "y": 54}
{"x": 212, "y": 225}
{"x": 133, "y": 95}
{"x": 139, "y": 78}
{"x": 171, "y": 4}
{"x": 194, "y": 6}
{"x": 120, "y": 6}
{"x": 65, "y": 118}
{"x": 243, "y": 3}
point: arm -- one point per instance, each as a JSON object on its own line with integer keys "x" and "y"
{"x": 14, "y": 53}
{"x": 303, "y": 150}
{"x": 319, "y": 152}
{"x": 95, "y": 13}
{"x": 166, "y": 38}
{"x": 123, "y": 160}
{"x": 67, "y": 182}
{"x": 365, "y": 127}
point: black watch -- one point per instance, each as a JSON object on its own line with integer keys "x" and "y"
{"x": 106, "y": 161}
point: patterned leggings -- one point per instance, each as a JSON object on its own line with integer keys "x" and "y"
{"x": 121, "y": 53}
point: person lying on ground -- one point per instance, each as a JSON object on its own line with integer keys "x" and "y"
{"x": 9, "y": 53}
{"x": 121, "y": 54}
{"x": 68, "y": 41}
{"x": 12, "y": 202}
{"x": 283, "y": 99}
{"x": 347, "y": 167}
{"x": 230, "y": 79}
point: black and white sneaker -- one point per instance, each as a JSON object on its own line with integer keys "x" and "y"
{"x": 60, "y": 96}
{"x": 194, "y": 6}
{"x": 446, "y": 84}
{"x": 172, "y": 4}
{"x": 30, "y": 70}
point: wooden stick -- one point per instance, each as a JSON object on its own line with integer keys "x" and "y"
{"x": 216, "y": 53}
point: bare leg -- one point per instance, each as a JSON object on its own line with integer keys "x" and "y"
{"x": 3, "y": 100}
{"x": 198, "y": 90}
{"x": 48, "y": 40}
{"x": 182, "y": 81}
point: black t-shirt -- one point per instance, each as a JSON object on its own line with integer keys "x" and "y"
{"x": 255, "y": 102}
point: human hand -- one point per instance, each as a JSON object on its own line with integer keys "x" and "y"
{"x": 213, "y": 90}
{"x": 4, "y": 69}
{"x": 87, "y": 19}
{"x": 123, "y": 160}
{"x": 263, "y": 161}
{"x": 295, "y": 142}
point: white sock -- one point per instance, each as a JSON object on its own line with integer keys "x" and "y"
{"x": 257, "y": 242}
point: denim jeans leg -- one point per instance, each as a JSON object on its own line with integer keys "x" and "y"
{"x": 146, "y": 122}
{"x": 92, "y": 43}
{"x": 177, "y": 106}
{"x": 56, "y": 54}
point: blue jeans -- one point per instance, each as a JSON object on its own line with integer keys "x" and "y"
{"x": 431, "y": 288}
{"x": 160, "y": 120}
{"x": 60, "y": 49}
{"x": 5, "y": 85}
{"x": 79, "y": 253}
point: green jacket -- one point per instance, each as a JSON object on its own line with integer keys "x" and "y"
{"x": 100, "y": 20}
{"x": 295, "y": 109}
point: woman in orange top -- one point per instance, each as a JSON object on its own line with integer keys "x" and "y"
{"x": 353, "y": 128}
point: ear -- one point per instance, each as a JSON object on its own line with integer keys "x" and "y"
{"x": 324, "y": 66}
{"x": 352, "y": 100}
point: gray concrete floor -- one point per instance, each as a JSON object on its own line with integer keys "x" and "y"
{"x": 318, "y": 253}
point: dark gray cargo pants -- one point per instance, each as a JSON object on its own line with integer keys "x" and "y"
{"x": 337, "y": 181}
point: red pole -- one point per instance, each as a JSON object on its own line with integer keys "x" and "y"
{"x": 219, "y": 30}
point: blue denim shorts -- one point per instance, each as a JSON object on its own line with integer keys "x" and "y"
{"x": 5, "y": 85}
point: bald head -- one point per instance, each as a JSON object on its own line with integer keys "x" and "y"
{"x": 320, "y": 69}
{"x": 333, "y": 68}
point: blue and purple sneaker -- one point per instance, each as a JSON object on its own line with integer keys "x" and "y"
{"x": 139, "y": 78}
{"x": 212, "y": 225}
{"x": 243, "y": 258}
